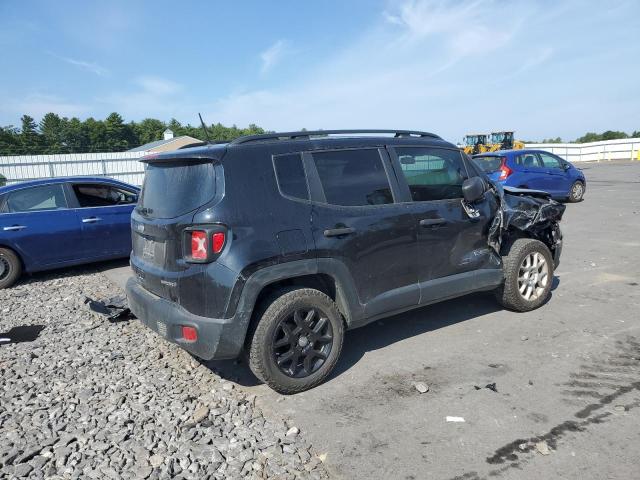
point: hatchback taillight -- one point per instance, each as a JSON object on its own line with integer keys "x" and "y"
{"x": 504, "y": 170}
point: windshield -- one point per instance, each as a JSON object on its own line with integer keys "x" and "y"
{"x": 174, "y": 188}
{"x": 488, "y": 164}
{"x": 472, "y": 140}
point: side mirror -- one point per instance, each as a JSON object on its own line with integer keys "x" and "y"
{"x": 473, "y": 189}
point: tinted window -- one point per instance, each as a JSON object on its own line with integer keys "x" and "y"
{"x": 432, "y": 173}
{"x": 290, "y": 175}
{"x": 528, "y": 160}
{"x": 46, "y": 197}
{"x": 353, "y": 177}
{"x": 102, "y": 195}
{"x": 488, "y": 164}
{"x": 174, "y": 188}
{"x": 549, "y": 161}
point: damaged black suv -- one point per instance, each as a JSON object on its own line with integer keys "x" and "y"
{"x": 274, "y": 245}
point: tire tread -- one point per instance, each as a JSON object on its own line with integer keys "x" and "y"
{"x": 258, "y": 340}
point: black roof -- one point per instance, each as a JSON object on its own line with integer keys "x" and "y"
{"x": 307, "y": 141}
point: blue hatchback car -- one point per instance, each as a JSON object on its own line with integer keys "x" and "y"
{"x": 57, "y": 222}
{"x": 534, "y": 169}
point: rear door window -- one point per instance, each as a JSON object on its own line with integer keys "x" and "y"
{"x": 172, "y": 189}
{"x": 432, "y": 173}
{"x": 34, "y": 199}
{"x": 353, "y": 177}
{"x": 290, "y": 175}
{"x": 528, "y": 160}
{"x": 102, "y": 195}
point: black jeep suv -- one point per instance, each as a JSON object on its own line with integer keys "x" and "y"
{"x": 275, "y": 244}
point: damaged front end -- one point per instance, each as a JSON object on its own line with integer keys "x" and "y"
{"x": 526, "y": 213}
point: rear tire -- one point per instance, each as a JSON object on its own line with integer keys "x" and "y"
{"x": 577, "y": 192}
{"x": 528, "y": 275}
{"x": 297, "y": 341}
{"x": 10, "y": 268}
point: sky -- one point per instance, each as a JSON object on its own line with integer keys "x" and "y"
{"x": 540, "y": 67}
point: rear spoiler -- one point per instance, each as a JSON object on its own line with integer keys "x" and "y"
{"x": 201, "y": 154}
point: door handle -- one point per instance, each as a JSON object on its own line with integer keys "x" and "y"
{"x": 432, "y": 222}
{"x": 14, "y": 228}
{"x": 336, "y": 232}
{"x": 91, "y": 220}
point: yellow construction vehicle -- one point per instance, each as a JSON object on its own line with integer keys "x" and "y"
{"x": 475, "y": 143}
{"x": 503, "y": 141}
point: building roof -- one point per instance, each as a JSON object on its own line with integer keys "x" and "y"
{"x": 163, "y": 145}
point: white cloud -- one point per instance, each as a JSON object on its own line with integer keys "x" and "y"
{"x": 37, "y": 105}
{"x": 396, "y": 74}
{"x": 273, "y": 55}
{"x": 151, "y": 96}
{"x": 88, "y": 66}
{"x": 157, "y": 86}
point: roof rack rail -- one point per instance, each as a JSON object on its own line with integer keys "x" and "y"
{"x": 325, "y": 133}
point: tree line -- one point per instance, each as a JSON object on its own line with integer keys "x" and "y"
{"x": 55, "y": 134}
{"x": 596, "y": 137}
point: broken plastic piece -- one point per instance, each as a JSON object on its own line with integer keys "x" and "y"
{"x": 115, "y": 308}
{"x": 455, "y": 419}
{"x": 490, "y": 386}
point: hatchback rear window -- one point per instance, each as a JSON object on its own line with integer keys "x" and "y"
{"x": 172, "y": 189}
{"x": 488, "y": 164}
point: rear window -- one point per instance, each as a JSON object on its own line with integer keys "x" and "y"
{"x": 172, "y": 189}
{"x": 290, "y": 175}
{"x": 488, "y": 164}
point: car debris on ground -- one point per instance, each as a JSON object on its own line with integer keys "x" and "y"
{"x": 114, "y": 308}
{"x": 455, "y": 419}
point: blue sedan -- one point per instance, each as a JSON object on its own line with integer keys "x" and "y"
{"x": 534, "y": 169}
{"x": 58, "y": 222}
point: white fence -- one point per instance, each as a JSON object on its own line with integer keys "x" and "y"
{"x": 624, "y": 149}
{"x": 124, "y": 166}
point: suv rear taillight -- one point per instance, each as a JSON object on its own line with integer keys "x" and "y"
{"x": 199, "y": 244}
{"x": 204, "y": 244}
{"x": 218, "y": 239}
{"x": 504, "y": 170}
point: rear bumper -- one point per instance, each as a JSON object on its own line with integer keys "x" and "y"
{"x": 218, "y": 338}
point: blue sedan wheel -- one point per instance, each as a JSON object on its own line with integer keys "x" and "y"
{"x": 10, "y": 268}
{"x": 577, "y": 191}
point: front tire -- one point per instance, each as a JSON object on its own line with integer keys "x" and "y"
{"x": 577, "y": 192}
{"x": 10, "y": 268}
{"x": 297, "y": 341}
{"x": 528, "y": 275}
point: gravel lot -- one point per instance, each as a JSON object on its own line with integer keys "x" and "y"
{"x": 93, "y": 399}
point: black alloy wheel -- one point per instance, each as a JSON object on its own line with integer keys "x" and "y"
{"x": 302, "y": 342}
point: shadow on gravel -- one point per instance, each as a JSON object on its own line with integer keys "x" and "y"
{"x": 75, "y": 271}
{"x": 382, "y": 333}
{"x": 23, "y": 333}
